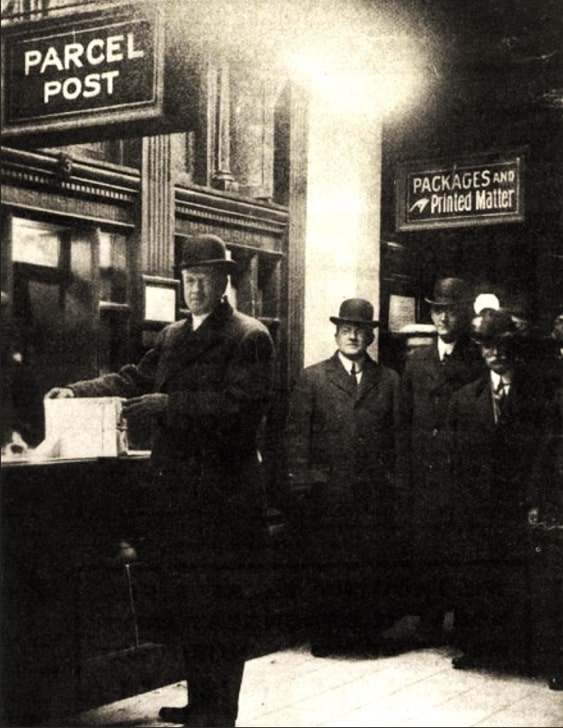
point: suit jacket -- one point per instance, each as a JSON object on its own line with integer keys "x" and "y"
{"x": 426, "y": 389}
{"x": 500, "y": 470}
{"x": 202, "y": 510}
{"x": 344, "y": 440}
{"x": 219, "y": 381}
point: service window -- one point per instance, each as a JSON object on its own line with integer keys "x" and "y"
{"x": 67, "y": 312}
{"x": 114, "y": 309}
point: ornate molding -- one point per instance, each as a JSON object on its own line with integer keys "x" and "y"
{"x": 73, "y": 178}
{"x": 64, "y": 175}
{"x": 213, "y": 207}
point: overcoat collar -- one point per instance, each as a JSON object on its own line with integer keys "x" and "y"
{"x": 189, "y": 345}
{"x": 337, "y": 375}
{"x": 483, "y": 392}
{"x": 439, "y": 372}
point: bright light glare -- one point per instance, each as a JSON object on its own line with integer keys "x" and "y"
{"x": 391, "y": 88}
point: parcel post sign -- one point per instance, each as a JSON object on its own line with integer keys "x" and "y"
{"x": 467, "y": 193}
{"x": 74, "y": 72}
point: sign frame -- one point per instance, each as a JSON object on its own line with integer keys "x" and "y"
{"x": 506, "y": 167}
{"x": 80, "y": 120}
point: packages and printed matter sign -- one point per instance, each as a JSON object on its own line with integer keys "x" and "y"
{"x": 475, "y": 191}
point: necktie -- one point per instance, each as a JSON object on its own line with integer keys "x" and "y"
{"x": 445, "y": 358}
{"x": 354, "y": 371}
{"x": 500, "y": 396}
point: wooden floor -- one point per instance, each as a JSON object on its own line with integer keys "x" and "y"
{"x": 416, "y": 687}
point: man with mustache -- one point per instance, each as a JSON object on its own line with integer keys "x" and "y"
{"x": 501, "y": 432}
{"x": 344, "y": 458}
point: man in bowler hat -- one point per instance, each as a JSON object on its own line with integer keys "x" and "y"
{"x": 432, "y": 374}
{"x": 343, "y": 451}
{"x": 501, "y": 429}
{"x": 204, "y": 387}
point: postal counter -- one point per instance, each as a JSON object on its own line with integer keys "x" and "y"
{"x": 81, "y": 614}
{"x": 71, "y": 633}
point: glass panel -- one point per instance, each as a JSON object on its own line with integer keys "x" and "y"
{"x": 269, "y": 286}
{"x": 112, "y": 342}
{"x": 37, "y": 340}
{"x": 113, "y": 267}
{"x": 36, "y": 243}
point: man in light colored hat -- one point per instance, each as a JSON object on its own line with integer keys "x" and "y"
{"x": 502, "y": 429}
{"x": 432, "y": 374}
{"x": 343, "y": 451}
{"x": 204, "y": 387}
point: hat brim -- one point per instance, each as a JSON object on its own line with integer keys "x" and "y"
{"x": 336, "y": 320}
{"x": 216, "y": 263}
{"x": 460, "y": 302}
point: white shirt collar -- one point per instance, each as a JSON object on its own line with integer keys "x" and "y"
{"x": 198, "y": 320}
{"x": 347, "y": 364}
{"x": 496, "y": 379}
{"x": 445, "y": 347}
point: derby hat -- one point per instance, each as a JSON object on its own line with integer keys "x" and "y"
{"x": 495, "y": 326}
{"x": 450, "y": 292}
{"x": 204, "y": 250}
{"x": 355, "y": 311}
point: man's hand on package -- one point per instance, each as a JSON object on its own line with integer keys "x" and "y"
{"x": 146, "y": 407}
{"x": 59, "y": 393}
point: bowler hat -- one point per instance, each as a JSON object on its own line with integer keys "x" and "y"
{"x": 198, "y": 250}
{"x": 450, "y": 292}
{"x": 495, "y": 326}
{"x": 355, "y": 311}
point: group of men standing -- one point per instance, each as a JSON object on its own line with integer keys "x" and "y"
{"x": 205, "y": 388}
{"x": 445, "y": 469}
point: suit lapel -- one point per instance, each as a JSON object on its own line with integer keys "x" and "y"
{"x": 339, "y": 377}
{"x": 452, "y": 373}
{"x": 189, "y": 345}
{"x": 433, "y": 368}
{"x": 371, "y": 377}
{"x": 484, "y": 402}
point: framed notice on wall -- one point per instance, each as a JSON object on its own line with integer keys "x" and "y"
{"x": 160, "y": 299}
{"x": 402, "y": 311}
{"x": 476, "y": 190}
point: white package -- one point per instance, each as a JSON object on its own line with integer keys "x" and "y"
{"x": 83, "y": 427}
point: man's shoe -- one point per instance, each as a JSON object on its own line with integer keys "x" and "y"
{"x": 174, "y": 715}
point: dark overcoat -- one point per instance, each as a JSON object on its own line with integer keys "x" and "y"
{"x": 204, "y": 501}
{"x": 344, "y": 443}
{"x": 426, "y": 389}
{"x": 500, "y": 471}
